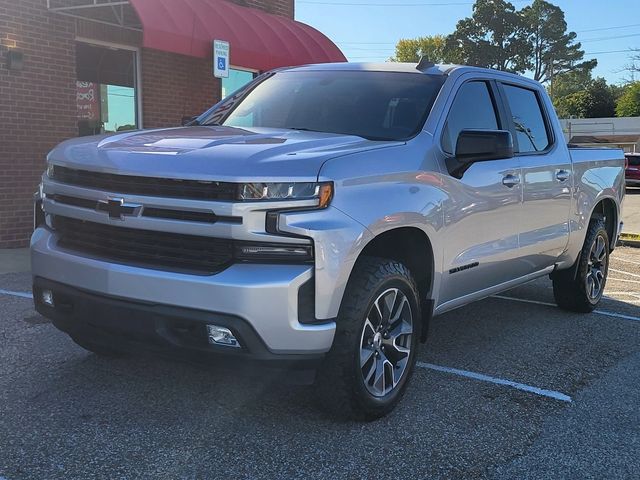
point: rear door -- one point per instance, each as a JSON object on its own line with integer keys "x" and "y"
{"x": 546, "y": 174}
{"x": 483, "y": 211}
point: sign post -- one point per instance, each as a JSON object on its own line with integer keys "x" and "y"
{"x": 220, "y": 59}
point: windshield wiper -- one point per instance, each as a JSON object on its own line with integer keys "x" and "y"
{"x": 304, "y": 129}
{"x": 376, "y": 139}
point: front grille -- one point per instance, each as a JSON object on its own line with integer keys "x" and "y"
{"x": 146, "y": 248}
{"x": 149, "y": 186}
{"x": 153, "y": 212}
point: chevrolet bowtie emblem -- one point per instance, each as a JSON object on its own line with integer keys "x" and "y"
{"x": 117, "y": 209}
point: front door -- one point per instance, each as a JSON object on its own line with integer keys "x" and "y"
{"x": 482, "y": 213}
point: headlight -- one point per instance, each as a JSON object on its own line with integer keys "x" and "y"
{"x": 287, "y": 191}
{"x": 49, "y": 172}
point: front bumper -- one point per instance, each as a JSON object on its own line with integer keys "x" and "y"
{"x": 262, "y": 299}
{"x": 170, "y": 331}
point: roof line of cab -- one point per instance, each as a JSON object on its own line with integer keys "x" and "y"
{"x": 428, "y": 68}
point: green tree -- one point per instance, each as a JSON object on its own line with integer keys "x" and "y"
{"x": 494, "y": 36}
{"x": 569, "y": 82}
{"x": 553, "y": 49}
{"x": 412, "y": 50}
{"x": 596, "y": 101}
{"x": 629, "y": 101}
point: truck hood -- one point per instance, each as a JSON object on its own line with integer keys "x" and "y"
{"x": 211, "y": 153}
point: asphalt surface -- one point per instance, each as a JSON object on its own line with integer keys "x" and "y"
{"x": 69, "y": 414}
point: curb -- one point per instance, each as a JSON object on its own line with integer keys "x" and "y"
{"x": 629, "y": 240}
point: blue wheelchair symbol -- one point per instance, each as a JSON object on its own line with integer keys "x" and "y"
{"x": 222, "y": 63}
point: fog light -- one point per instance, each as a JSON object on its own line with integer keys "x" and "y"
{"x": 222, "y": 336}
{"x": 47, "y": 298}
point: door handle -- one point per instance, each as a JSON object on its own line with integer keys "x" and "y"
{"x": 562, "y": 175}
{"x": 510, "y": 180}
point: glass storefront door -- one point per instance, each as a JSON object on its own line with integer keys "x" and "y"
{"x": 237, "y": 79}
{"x": 106, "y": 93}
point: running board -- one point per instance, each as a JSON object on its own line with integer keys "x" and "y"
{"x": 487, "y": 292}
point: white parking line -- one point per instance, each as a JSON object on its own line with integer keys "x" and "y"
{"x": 599, "y": 312}
{"x": 626, "y": 273}
{"x": 634, "y": 298}
{"x": 535, "y": 302}
{"x": 626, "y": 261}
{"x": 498, "y": 381}
{"x": 622, "y": 280}
{"x": 16, "y": 294}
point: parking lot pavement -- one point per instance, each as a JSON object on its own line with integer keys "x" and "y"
{"x": 66, "y": 413}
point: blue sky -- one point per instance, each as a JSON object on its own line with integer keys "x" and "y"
{"x": 367, "y": 30}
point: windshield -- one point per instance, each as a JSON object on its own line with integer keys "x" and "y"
{"x": 373, "y": 105}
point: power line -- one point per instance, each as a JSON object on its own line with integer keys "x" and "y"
{"x": 594, "y": 39}
{"x": 601, "y": 39}
{"x": 370, "y": 49}
{"x": 609, "y": 51}
{"x": 579, "y": 31}
{"x": 368, "y": 43}
{"x": 615, "y": 27}
{"x": 606, "y": 52}
{"x": 368, "y": 4}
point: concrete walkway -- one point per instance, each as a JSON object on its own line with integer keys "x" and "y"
{"x": 14, "y": 260}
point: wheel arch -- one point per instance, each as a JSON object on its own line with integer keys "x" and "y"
{"x": 607, "y": 209}
{"x": 412, "y": 247}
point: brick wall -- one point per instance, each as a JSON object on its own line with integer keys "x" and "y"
{"x": 175, "y": 86}
{"x": 37, "y": 106}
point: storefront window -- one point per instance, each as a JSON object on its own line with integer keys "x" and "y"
{"x": 105, "y": 89}
{"x": 121, "y": 105}
{"x": 237, "y": 79}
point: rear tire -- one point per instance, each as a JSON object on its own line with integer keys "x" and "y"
{"x": 584, "y": 292}
{"x": 373, "y": 355}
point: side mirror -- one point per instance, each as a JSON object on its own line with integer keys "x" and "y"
{"x": 479, "y": 146}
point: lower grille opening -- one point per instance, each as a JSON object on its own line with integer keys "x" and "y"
{"x": 146, "y": 248}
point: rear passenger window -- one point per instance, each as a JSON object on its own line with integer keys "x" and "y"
{"x": 472, "y": 109}
{"x": 528, "y": 120}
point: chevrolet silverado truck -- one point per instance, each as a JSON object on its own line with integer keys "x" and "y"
{"x": 319, "y": 217}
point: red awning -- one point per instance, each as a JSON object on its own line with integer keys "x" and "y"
{"x": 259, "y": 40}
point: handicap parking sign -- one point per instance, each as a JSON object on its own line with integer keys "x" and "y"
{"x": 220, "y": 59}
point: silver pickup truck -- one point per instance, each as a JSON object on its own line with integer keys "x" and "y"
{"x": 319, "y": 218}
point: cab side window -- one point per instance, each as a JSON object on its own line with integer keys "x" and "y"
{"x": 528, "y": 119}
{"x": 472, "y": 109}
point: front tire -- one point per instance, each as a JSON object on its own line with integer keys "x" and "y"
{"x": 583, "y": 292}
{"x": 374, "y": 352}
